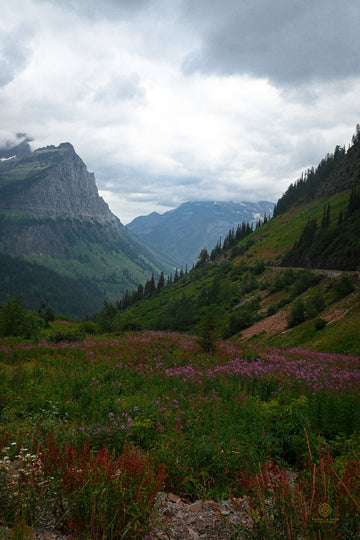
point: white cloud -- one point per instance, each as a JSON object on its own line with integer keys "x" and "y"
{"x": 111, "y": 81}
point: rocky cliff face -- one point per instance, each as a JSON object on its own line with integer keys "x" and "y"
{"x": 54, "y": 182}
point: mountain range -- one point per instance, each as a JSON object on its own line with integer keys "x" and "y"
{"x": 182, "y": 233}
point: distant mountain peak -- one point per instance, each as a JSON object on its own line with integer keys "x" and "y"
{"x": 17, "y": 149}
{"x": 181, "y": 233}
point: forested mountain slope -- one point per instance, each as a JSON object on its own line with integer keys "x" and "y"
{"x": 51, "y": 214}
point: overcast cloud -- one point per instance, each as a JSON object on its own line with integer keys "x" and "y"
{"x": 175, "y": 100}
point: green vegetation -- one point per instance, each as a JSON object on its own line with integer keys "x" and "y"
{"x": 126, "y": 416}
{"x": 16, "y": 321}
{"x": 241, "y": 297}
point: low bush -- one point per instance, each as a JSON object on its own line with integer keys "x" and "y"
{"x": 343, "y": 287}
{"x": 16, "y": 321}
{"x": 320, "y": 323}
{"x": 69, "y": 334}
{"x": 89, "y": 327}
{"x": 297, "y": 314}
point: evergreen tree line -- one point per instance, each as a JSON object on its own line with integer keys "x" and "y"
{"x": 152, "y": 287}
{"x": 305, "y": 187}
{"x": 326, "y": 246}
{"x": 235, "y": 235}
{"x": 232, "y": 238}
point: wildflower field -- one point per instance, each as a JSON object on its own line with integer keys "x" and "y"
{"x": 91, "y": 430}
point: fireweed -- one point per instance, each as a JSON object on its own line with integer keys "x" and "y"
{"x": 207, "y": 418}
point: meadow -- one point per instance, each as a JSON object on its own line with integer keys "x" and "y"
{"x": 91, "y": 429}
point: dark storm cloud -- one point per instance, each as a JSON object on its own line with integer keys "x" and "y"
{"x": 287, "y": 41}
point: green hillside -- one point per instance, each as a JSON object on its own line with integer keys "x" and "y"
{"x": 250, "y": 293}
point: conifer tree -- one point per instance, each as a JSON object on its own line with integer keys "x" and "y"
{"x": 161, "y": 282}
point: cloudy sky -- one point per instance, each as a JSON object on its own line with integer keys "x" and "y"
{"x": 174, "y": 100}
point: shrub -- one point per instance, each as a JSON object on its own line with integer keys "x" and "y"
{"x": 124, "y": 322}
{"x": 69, "y": 335}
{"x": 239, "y": 320}
{"x": 320, "y": 324}
{"x": 304, "y": 280}
{"x": 297, "y": 313}
{"x": 343, "y": 287}
{"x": 258, "y": 268}
{"x": 271, "y": 310}
{"x": 16, "y": 321}
{"x": 315, "y": 304}
{"x": 89, "y": 327}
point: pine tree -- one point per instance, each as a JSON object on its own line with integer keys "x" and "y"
{"x": 46, "y": 312}
{"x": 161, "y": 282}
{"x": 209, "y": 333}
{"x": 203, "y": 257}
{"x": 150, "y": 287}
{"x": 140, "y": 291}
